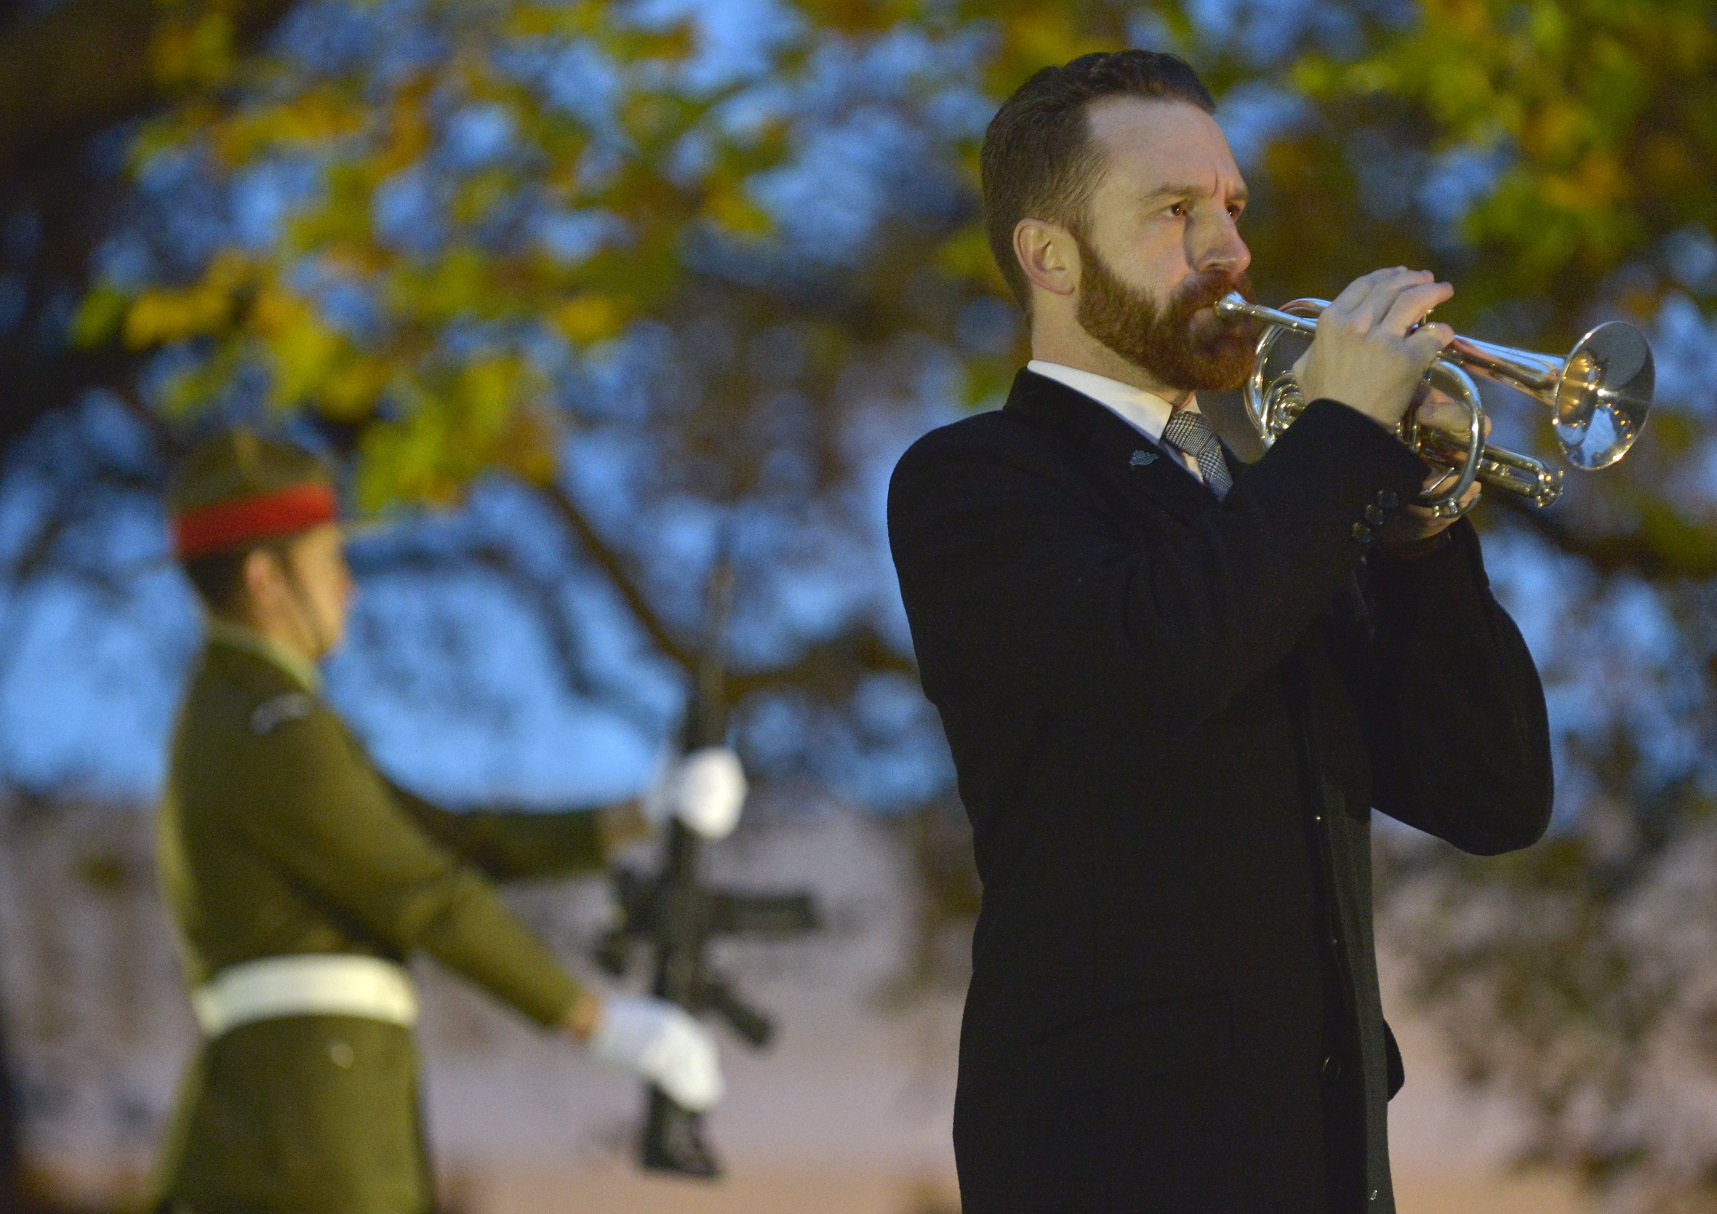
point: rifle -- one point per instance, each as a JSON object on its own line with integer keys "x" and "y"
{"x": 676, "y": 915}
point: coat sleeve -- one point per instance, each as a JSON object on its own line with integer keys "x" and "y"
{"x": 1459, "y": 732}
{"x": 1012, "y": 575}
{"x": 327, "y": 817}
{"x": 512, "y": 845}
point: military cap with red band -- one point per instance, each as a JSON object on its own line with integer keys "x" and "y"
{"x": 237, "y": 490}
{"x": 268, "y": 516}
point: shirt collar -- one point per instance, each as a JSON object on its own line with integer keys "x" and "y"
{"x": 1145, "y": 411}
{"x": 249, "y": 640}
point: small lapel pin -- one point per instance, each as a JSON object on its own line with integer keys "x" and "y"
{"x": 272, "y": 713}
{"x": 1141, "y": 458}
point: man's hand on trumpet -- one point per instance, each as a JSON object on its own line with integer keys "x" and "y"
{"x": 1371, "y": 350}
{"x": 1414, "y": 524}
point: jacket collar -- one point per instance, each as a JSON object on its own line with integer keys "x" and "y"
{"x": 1147, "y": 412}
{"x": 1114, "y": 447}
{"x": 229, "y": 636}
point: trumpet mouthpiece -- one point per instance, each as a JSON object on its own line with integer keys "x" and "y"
{"x": 1232, "y": 304}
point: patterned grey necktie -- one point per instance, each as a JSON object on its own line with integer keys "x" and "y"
{"x": 1189, "y": 432}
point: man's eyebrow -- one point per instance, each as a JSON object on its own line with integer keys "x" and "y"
{"x": 1192, "y": 191}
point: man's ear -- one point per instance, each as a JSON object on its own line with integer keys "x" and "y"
{"x": 259, "y": 572}
{"x": 1048, "y": 255}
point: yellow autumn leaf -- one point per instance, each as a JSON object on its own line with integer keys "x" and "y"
{"x": 851, "y": 17}
{"x": 409, "y": 132}
{"x": 732, "y": 210}
{"x": 578, "y": 20}
{"x": 317, "y": 117}
{"x": 165, "y": 315}
{"x": 1040, "y": 34}
{"x": 99, "y": 317}
{"x": 589, "y": 318}
{"x": 1593, "y": 186}
{"x": 454, "y": 288}
{"x": 486, "y": 391}
{"x": 1554, "y": 130}
{"x": 352, "y": 390}
{"x": 481, "y": 194}
{"x": 274, "y": 309}
{"x": 966, "y": 255}
{"x": 192, "y": 389}
{"x": 674, "y": 45}
{"x": 156, "y": 318}
{"x": 651, "y": 119}
{"x": 402, "y": 461}
{"x": 302, "y": 352}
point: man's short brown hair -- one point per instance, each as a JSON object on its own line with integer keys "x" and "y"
{"x": 1038, "y": 161}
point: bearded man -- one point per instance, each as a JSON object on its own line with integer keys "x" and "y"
{"x": 1176, "y": 688}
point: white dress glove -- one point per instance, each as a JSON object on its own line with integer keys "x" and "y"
{"x": 705, "y": 790}
{"x": 660, "y": 1042}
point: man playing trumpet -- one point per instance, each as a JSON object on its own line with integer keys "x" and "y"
{"x": 1176, "y": 688}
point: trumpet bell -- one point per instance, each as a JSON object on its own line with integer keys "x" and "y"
{"x": 1603, "y": 394}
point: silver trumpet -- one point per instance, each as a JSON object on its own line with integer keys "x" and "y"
{"x": 1598, "y": 397}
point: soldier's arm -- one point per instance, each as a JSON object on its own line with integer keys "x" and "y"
{"x": 515, "y": 845}
{"x": 325, "y": 815}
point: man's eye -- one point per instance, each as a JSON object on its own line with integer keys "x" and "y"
{"x": 1177, "y": 209}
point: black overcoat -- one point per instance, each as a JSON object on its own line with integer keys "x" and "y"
{"x": 1171, "y": 718}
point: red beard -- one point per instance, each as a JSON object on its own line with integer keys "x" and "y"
{"x": 1183, "y": 345}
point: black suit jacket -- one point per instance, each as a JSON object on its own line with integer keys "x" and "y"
{"x": 1170, "y": 720}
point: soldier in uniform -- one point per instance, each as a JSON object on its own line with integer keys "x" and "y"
{"x": 301, "y": 880}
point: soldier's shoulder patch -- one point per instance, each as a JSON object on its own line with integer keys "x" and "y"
{"x": 274, "y": 712}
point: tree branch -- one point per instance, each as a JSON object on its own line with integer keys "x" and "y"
{"x": 619, "y": 576}
{"x": 831, "y": 670}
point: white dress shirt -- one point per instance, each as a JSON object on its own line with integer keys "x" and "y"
{"x": 1145, "y": 411}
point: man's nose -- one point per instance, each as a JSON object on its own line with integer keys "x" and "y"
{"x": 1222, "y": 249}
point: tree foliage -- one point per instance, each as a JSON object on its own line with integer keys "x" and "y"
{"x": 651, "y": 265}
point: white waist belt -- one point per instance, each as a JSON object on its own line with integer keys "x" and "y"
{"x": 324, "y": 984}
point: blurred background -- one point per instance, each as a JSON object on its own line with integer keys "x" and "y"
{"x": 573, "y": 289}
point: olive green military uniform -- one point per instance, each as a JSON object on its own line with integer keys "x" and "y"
{"x": 278, "y": 837}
